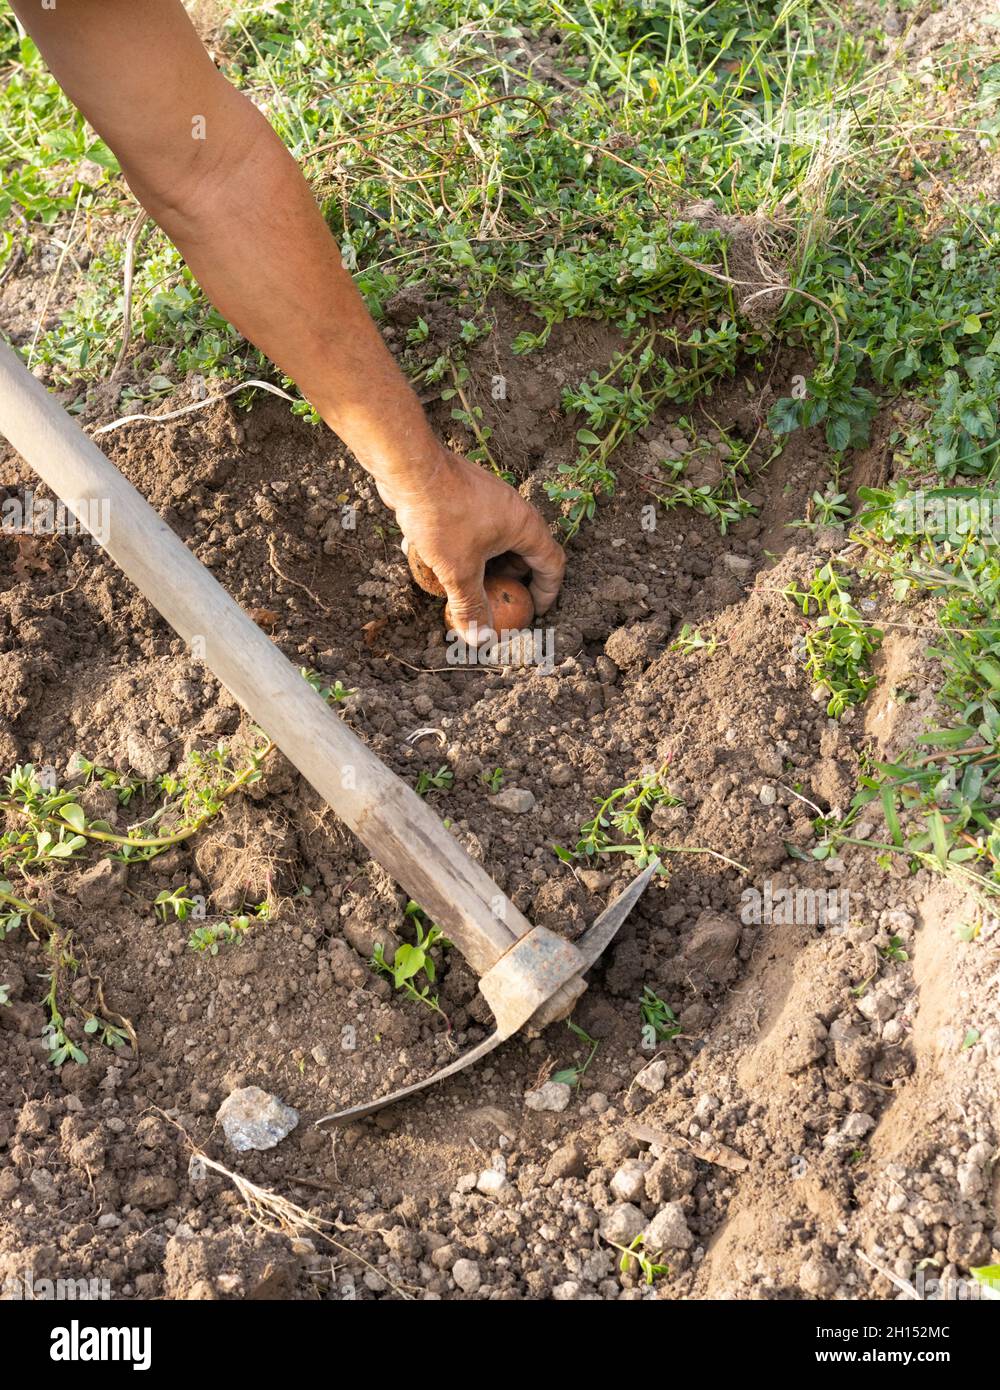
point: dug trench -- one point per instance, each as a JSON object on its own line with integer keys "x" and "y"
{"x": 791, "y": 1122}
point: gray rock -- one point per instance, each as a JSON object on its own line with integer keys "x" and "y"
{"x": 629, "y": 1183}
{"x": 514, "y": 800}
{"x": 623, "y": 1223}
{"x": 253, "y": 1119}
{"x": 491, "y": 1180}
{"x": 857, "y": 1126}
{"x": 668, "y": 1230}
{"x": 466, "y": 1275}
{"x": 739, "y": 565}
{"x": 554, "y": 1095}
{"x": 818, "y": 1278}
{"x": 567, "y": 1291}
{"x": 878, "y": 1005}
{"x": 146, "y": 758}
{"x": 653, "y": 1077}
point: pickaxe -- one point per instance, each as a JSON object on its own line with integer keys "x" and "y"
{"x": 530, "y": 976}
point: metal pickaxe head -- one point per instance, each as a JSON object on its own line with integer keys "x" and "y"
{"x": 535, "y": 983}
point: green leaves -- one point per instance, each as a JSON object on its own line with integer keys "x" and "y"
{"x": 830, "y": 397}
{"x": 74, "y": 816}
{"x": 573, "y": 1075}
{"x": 658, "y": 1018}
{"x": 623, "y": 812}
{"x": 839, "y": 649}
{"x": 61, "y": 1048}
{"x": 412, "y": 958}
{"x": 174, "y": 901}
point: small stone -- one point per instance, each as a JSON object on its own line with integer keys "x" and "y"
{"x": 877, "y": 1005}
{"x": 623, "y": 1223}
{"x": 554, "y": 1095}
{"x": 567, "y": 1291}
{"x": 668, "y": 1230}
{"x": 150, "y": 760}
{"x": 253, "y": 1119}
{"x": 704, "y": 1110}
{"x": 514, "y": 800}
{"x": 768, "y": 795}
{"x": 321, "y": 1055}
{"x": 466, "y": 1275}
{"x": 738, "y": 565}
{"x": 491, "y": 1180}
{"x": 857, "y": 1126}
{"x": 151, "y": 1193}
{"x": 43, "y": 1182}
{"x": 567, "y": 1162}
{"x": 629, "y": 1183}
{"x": 653, "y": 1077}
{"x": 818, "y": 1277}
{"x": 467, "y": 1183}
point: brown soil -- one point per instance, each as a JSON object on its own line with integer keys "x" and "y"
{"x": 774, "y": 1055}
{"x": 818, "y": 1140}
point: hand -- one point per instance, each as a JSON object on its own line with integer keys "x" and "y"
{"x": 459, "y": 516}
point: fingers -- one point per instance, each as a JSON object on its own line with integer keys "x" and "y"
{"x": 467, "y": 611}
{"x": 544, "y": 557}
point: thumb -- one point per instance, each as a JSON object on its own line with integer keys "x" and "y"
{"x": 467, "y": 611}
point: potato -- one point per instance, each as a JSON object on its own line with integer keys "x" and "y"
{"x": 423, "y": 574}
{"x": 511, "y": 605}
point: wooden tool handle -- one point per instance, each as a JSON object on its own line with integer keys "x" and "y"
{"x": 399, "y": 829}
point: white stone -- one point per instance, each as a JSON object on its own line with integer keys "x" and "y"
{"x": 554, "y": 1095}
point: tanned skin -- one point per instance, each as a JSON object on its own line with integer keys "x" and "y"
{"x": 237, "y": 207}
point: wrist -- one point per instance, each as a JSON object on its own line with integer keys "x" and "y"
{"x": 411, "y": 470}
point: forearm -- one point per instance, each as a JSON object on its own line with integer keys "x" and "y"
{"x": 256, "y": 242}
